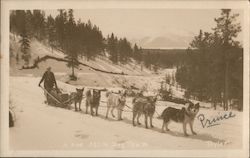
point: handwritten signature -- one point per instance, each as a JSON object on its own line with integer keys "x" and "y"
{"x": 205, "y": 122}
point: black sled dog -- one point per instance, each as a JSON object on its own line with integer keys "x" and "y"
{"x": 76, "y": 97}
{"x": 184, "y": 116}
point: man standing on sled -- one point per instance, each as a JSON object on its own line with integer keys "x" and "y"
{"x": 49, "y": 82}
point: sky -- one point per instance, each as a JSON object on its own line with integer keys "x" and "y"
{"x": 144, "y": 26}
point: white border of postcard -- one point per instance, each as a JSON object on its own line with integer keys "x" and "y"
{"x": 97, "y": 4}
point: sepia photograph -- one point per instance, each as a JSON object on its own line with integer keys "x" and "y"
{"x": 133, "y": 79}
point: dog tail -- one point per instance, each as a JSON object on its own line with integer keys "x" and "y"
{"x": 108, "y": 93}
{"x": 160, "y": 116}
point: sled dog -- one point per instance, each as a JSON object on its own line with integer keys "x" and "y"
{"x": 184, "y": 116}
{"x": 115, "y": 101}
{"x": 76, "y": 97}
{"x": 146, "y": 106}
{"x": 93, "y": 100}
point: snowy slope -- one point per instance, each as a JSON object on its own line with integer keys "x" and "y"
{"x": 42, "y": 127}
{"x": 86, "y": 76}
{"x": 39, "y": 49}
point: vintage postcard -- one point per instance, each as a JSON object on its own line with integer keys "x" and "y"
{"x": 124, "y": 78}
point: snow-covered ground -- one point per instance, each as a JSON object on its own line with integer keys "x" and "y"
{"x": 42, "y": 127}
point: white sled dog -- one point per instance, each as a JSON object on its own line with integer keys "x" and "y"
{"x": 115, "y": 101}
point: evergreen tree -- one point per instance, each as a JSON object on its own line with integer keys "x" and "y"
{"x": 25, "y": 45}
{"x": 70, "y": 45}
{"x": 28, "y": 23}
{"x": 38, "y": 22}
{"x": 213, "y": 69}
{"x": 124, "y": 50}
{"x": 51, "y": 31}
{"x": 94, "y": 42}
{"x": 60, "y": 22}
{"x": 18, "y": 21}
{"x": 112, "y": 48}
{"x": 13, "y": 22}
{"x": 81, "y": 39}
{"x": 227, "y": 30}
{"x": 137, "y": 53}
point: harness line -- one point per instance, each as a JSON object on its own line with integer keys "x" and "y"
{"x": 51, "y": 95}
{"x": 85, "y": 97}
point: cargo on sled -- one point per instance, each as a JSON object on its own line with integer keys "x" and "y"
{"x": 56, "y": 98}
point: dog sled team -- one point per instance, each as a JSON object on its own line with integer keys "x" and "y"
{"x": 142, "y": 105}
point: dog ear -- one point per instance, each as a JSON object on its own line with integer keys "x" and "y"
{"x": 119, "y": 99}
{"x": 189, "y": 106}
{"x": 77, "y": 89}
{"x": 124, "y": 93}
{"x": 197, "y": 105}
{"x": 155, "y": 99}
{"x": 108, "y": 93}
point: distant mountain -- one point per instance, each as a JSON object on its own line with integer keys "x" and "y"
{"x": 164, "y": 42}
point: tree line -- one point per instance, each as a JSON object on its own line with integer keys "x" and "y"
{"x": 213, "y": 70}
{"x": 164, "y": 58}
{"x": 76, "y": 39}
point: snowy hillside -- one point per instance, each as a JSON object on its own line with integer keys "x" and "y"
{"x": 42, "y": 127}
{"x": 86, "y": 76}
{"x": 39, "y": 49}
